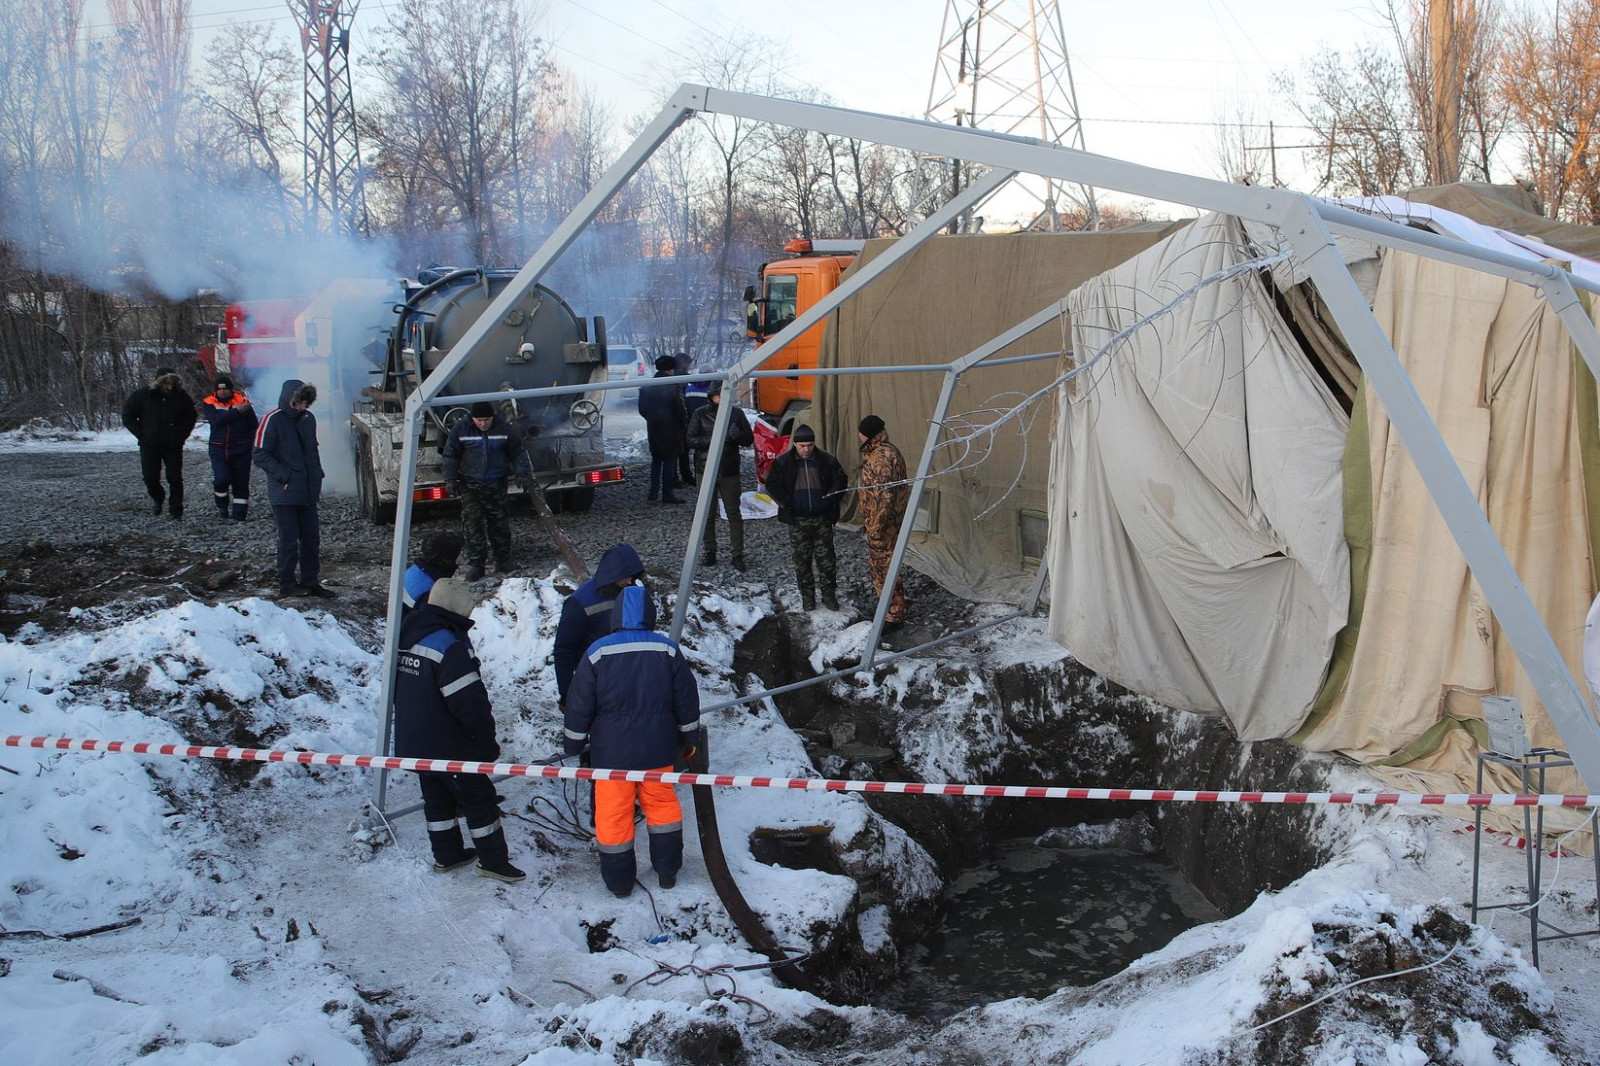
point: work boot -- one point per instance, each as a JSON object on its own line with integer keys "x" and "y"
{"x": 708, "y": 559}
{"x": 320, "y": 590}
{"x": 808, "y": 601}
{"x": 474, "y": 571}
{"x": 739, "y": 564}
{"x": 291, "y": 591}
{"x": 667, "y": 880}
{"x": 467, "y": 855}
{"x": 829, "y": 600}
{"x": 174, "y": 508}
{"x": 673, "y": 499}
{"x": 160, "y": 506}
{"x": 501, "y": 871}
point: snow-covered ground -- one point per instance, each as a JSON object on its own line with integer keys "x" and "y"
{"x": 269, "y": 931}
{"x": 264, "y": 936}
{"x": 41, "y": 436}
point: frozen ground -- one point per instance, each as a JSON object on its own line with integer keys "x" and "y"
{"x": 269, "y": 932}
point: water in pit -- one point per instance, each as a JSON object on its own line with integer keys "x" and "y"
{"x": 1033, "y": 919}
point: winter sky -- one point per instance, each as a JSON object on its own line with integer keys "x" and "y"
{"x": 1153, "y": 77}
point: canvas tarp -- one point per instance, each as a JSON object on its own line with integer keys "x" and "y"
{"x": 1497, "y": 370}
{"x": 1197, "y": 548}
{"x": 947, "y": 298}
{"x": 1513, "y": 209}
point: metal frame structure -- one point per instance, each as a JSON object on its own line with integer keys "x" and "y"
{"x": 1304, "y": 224}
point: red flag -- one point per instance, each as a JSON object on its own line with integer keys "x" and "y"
{"x": 769, "y": 445}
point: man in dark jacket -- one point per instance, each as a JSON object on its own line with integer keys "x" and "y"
{"x": 480, "y": 455}
{"x": 233, "y": 432}
{"x": 286, "y": 451}
{"x": 635, "y": 706}
{"x": 666, "y": 421}
{"x": 160, "y": 417}
{"x": 440, "y": 556}
{"x": 441, "y": 711}
{"x": 728, "y": 481}
{"x": 682, "y": 364}
{"x": 588, "y": 613}
{"x": 808, "y": 485}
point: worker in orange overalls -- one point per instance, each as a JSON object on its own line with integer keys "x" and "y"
{"x": 634, "y": 704}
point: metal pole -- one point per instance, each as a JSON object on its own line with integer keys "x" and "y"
{"x": 1558, "y": 292}
{"x": 1031, "y": 602}
{"x": 909, "y": 519}
{"x": 1536, "y": 649}
{"x": 683, "y": 103}
{"x": 403, "y": 507}
{"x": 704, "y": 500}
{"x": 804, "y": 321}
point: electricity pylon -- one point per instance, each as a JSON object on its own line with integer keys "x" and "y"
{"x": 335, "y": 200}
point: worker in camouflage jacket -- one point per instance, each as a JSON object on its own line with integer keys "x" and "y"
{"x": 481, "y": 454}
{"x": 883, "y": 496}
{"x": 808, "y": 486}
{"x": 442, "y": 711}
{"x": 161, "y": 417}
{"x": 233, "y": 430}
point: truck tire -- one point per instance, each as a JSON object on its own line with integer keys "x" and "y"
{"x": 372, "y": 505}
{"x": 576, "y": 501}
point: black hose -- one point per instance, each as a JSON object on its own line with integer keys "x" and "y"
{"x": 744, "y": 916}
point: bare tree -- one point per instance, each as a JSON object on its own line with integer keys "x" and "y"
{"x": 1550, "y": 78}
{"x": 1361, "y": 109}
{"x": 250, "y": 83}
{"x": 1445, "y": 47}
{"x": 1237, "y": 153}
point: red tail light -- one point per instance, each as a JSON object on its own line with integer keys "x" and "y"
{"x": 601, "y": 477}
{"x": 430, "y": 494}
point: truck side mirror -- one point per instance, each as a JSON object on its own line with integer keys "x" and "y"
{"x": 749, "y": 294}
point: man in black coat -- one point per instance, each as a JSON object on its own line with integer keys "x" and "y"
{"x": 441, "y": 711}
{"x": 161, "y": 417}
{"x": 286, "y": 452}
{"x": 808, "y": 486}
{"x": 682, "y": 364}
{"x": 740, "y": 435}
{"x": 667, "y": 421}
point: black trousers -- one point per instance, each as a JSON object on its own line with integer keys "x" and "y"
{"x": 152, "y": 457}
{"x": 299, "y": 543}
{"x": 446, "y": 797}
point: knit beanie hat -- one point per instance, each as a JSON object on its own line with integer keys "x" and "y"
{"x": 805, "y": 435}
{"x": 871, "y": 426}
{"x": 483, "y": 409}
{"x": 441, "y": 552}
{"x": 223, "y": 382}
{"x": 665, "y": 364}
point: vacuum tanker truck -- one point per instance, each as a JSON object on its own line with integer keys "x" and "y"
{"x": 538, "y": 342}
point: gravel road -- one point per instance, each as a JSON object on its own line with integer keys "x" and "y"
{"x": 80, "y": 508}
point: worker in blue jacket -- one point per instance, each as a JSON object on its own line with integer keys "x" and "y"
{"x": 441, "y": 555}
{"x": 634, "y": 705}
{"x": 587, "y": 614}
{"x": 233, "y": 432}
{"x": 441, "y": 711}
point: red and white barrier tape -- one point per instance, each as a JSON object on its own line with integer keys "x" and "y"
{"x": 808, "y": 784}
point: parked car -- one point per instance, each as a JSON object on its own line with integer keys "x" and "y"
{"x": 625, "y": 364}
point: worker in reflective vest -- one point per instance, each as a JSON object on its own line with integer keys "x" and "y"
{"x": 441, "y": 711}
{"x": 634, "y": 704}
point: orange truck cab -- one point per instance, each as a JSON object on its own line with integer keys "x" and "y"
{"x": 789, "y": 287}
